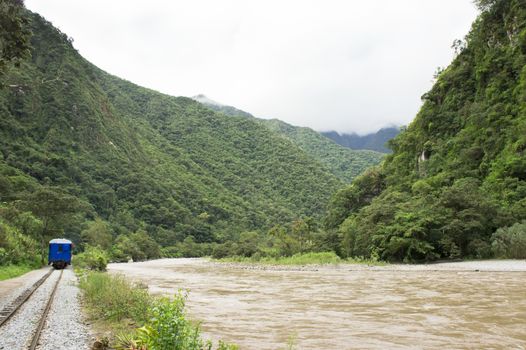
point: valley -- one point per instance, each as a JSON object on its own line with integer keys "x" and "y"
{"x": 191, "y": 220}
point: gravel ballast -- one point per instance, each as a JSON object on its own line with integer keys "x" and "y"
{"x": 16, "y": 333}
{"x": 10, "y": 289}
{"x": 65, "y": 327}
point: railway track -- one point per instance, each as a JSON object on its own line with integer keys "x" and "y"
{"x": 10, "y": 310}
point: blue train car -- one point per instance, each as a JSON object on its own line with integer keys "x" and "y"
{"x": 60, "y": 253}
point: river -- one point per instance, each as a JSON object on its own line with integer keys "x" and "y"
{"x": 474, "y": 305}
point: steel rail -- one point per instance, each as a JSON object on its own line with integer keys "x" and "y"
{"x": 42, "y": 322}
{"x": 8, "y": 311}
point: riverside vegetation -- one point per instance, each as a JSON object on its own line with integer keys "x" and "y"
{"x": 138, "y": 320}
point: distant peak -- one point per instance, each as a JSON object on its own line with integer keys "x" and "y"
{"x": 205, "y": 100}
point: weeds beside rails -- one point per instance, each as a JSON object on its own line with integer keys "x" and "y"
{"x": 323, "y": 258}
{"x": 137, "y": 320}
{"x": 12, "y": 271}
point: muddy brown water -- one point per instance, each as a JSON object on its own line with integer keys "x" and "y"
{"x": 346, "y": 308}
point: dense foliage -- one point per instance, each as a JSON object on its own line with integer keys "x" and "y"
{"x": 137, "y": 174}
{"x": 17, "y": 248}
{"x": 14, "y": 33}
{"x": 458, "y": 172}
{"x": 92, "y": 258}
{"x": 510, "y": 242}
{"x": 375, "y": 141}
{"x": 343, "y": 162}
{"x": 112, "y": 164}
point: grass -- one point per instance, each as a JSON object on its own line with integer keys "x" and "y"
{"x": 323, "y": 258}
{"x": 113, "y": 298}
{"x": 12, "y": 271}
{"x": 126, "y": 316}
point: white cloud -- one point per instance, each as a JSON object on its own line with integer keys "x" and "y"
{"x": 333, "y": 64}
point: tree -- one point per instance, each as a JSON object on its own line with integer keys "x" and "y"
{"x": 146, "y": 244}
{"x": 97, "y": 234}
{"x": 14, "y": 33}
{"x": 248, "y": 243}
{"x": 53, "y": 208}
{"x": 138, "y": 246}
{"x": 302, "y": 232}
{"x": 484, "y": 5}
{"x": 349, "y": 200}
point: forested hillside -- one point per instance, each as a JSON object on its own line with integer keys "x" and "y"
{"x": 84, "y": 152}
{"x": 456, "y": 182}
{"x": 219, "y": 107}
{"x": 375, "y": 141}
{"x": 343, "y": 162}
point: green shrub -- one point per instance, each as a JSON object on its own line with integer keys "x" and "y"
{"x": 169, "y": 328}
{"x": 92, "y": 258}
{"x": 113, "y": 297}
{"x": 16, "y": 248}
{"x": 223, "y": 250}
{"x": 510, "y": 242}
{"x": 138, "y": 246}
{"x": 188, "y": 248}
{"x": 163, "y": 321}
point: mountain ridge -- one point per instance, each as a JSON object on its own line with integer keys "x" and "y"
{"x": 343, "y": 162}
{"x": 376, "y": 141}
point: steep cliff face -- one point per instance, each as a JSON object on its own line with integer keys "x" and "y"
{"x": 458, "y": 172}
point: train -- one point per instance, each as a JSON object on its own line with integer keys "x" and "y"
{"x": 59, "y": 254}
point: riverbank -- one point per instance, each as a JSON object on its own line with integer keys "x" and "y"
{"x": 302, "y": 259}
{"x": 126, "y": 316}
{"x": 474, "y": 265}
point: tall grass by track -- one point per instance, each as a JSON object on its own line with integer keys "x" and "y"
{"x": 12, "y": 271}
{"x": 137, "y": 320}
{"x": 323, "y": 258}
{"x": 113, "y": 298}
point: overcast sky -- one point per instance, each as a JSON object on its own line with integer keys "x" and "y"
{"x": 331, "y": 65}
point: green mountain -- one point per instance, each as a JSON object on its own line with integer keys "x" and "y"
{"x": 141, "y": 160}
{"x": 375, "y": 141}
{"x": 343, "y": 162}
{"x": 456, "y": 181}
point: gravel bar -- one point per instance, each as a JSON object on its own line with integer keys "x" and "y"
{"x": 65, "y": 327}
{"x": 460, "y": 266}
